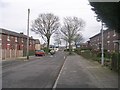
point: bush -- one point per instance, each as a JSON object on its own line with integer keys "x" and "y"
{"x": 31, "y": 52}
{"x": 46, "y": 50}
{"x": 66, "y": 49}
{"x": 77, "y": 50}
{"x": 115, "y": 65}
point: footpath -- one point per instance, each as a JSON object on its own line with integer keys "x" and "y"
{"x": 78, "y": 72}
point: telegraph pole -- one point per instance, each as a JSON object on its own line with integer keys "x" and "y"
{"x": 102, "y": 48}
{"x": 28, "y": 34}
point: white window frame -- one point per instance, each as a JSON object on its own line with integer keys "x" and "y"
{"x": 7, "y": 46}
{"x": 114, "y": 33}
{"x": 16, "y": 39}
{"x": 108, "y": 36}
{"x": 108, "y": 41}
{"x": 22, "y": 40}
{"x": 8, "y": 37}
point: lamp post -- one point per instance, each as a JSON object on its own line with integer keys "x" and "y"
{"x": 102, "y": 48}
{"x": 28, "y": 34}
{"x": 102, "y": 42}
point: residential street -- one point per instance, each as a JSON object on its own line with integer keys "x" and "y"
{"x": 59, "y": 44}
{"x": 39, "y": 73}
{"x": 77, "y": 72}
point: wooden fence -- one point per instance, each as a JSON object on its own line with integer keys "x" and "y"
{"x": 11, "y": 54}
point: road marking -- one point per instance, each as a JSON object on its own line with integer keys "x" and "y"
{"x": 64, "y": 57}
{"x": 55, "y": 84}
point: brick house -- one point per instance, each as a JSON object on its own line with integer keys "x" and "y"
{"x": 14, "y": 44}
{"x": 84, "y": 45}
{"x": 37, "y": 44}
{"x": 109, "y": 37}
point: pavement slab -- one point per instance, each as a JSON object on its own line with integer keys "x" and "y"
{"x": 79, "y": 72}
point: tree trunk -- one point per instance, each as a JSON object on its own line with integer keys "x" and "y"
{"x": 48, "y": 42}
{"x": 76, "y": 45}
{"x": 70, "y": 48}
{"x": 66, "y": 45}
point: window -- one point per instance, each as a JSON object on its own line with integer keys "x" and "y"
{"x": 108, "y": 36}
{"x": 8, "y": 46}
{"x": 15, "y": 39}
{"x": 108, "y": 41}
{"x": 114, "y": 33}
{"x": 22, "y": 40}
{"x": 8, "y": 38}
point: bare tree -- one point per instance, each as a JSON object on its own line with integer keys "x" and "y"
{"x": 45, "y": 25}
{"x": 57, "y": 38}
{"x": 72, "y": 26}
{"x": 78, "y": 39}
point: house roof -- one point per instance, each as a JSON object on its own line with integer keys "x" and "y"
{"x": 100, "y": 33}
{"x": 37, "y": 41}
{"x": 12, "y": 33}
{"x": 8, "y": 32}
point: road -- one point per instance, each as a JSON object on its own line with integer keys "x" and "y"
{"x": 38, "y": 73}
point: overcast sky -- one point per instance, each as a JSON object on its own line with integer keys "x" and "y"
{"x": 14, "y": 14}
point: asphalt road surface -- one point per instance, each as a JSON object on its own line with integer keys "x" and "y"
{"x": 38, "y": 73}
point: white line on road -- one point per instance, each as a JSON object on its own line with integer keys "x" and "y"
{"x": 59, "y": 75}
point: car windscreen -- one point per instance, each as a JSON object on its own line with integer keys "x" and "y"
{"x": 39, "y": 51}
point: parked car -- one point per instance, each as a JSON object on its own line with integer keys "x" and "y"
{"x": 52, "y": 52}
{"x": 39, "y": 53}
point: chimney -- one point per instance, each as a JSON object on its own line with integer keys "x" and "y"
{"x": 21, "y": 32}
{"x": 31, "y": 36}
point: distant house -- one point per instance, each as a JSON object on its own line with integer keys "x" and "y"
{"x": 84, "y": 45}
{"x": 110, "y": 36}
{"x": 14, "y": 44}
{"x": 37, "y": 44}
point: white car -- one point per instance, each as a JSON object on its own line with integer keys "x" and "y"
{"x": 52, "y": 52}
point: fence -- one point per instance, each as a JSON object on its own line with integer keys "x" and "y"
{"x": 11, "y": 53}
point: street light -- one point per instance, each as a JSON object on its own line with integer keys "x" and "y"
{"x": 102, "y": 38}
{"x": 28, "y": 34}
{"x": 102, "y": 48}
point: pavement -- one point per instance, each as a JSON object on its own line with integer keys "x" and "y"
{"x": 20, "y": 58}
{"x": 78, "y": 72}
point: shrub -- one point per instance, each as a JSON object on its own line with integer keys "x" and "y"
{"x": 115, "y": 65}
{"x": 46, "y": 50}
{"x": 31, "y": 52}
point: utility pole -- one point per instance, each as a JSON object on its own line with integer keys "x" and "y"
{"x": 28, "y": 34}
{"x": 102, "y": 41}
{"x": 102, "y": 48}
